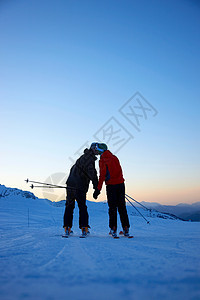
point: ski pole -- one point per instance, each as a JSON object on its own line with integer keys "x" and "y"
{"x": 137, "y": 210}
{"x": 49, "y": 187}
{"x": 137, "y": 202}
{"x": 38, "y": 182}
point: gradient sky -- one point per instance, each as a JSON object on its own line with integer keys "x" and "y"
{"x": 67, "y": 67}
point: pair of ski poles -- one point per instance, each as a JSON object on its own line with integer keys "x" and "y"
{"x": 44, "y": 184}
{"x": 144, "y": 207}
{"x": 50, "y": 185}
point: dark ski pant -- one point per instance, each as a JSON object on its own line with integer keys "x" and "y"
{"x": 116, "y": 201}
{"x": 80, "y": 197}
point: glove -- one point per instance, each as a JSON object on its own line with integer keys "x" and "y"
{"x": 96, "y": 194}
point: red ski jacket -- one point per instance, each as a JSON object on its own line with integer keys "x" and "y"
{"x": 110, "y": 170}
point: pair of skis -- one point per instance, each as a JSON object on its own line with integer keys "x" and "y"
{"x": 115, "y": 236}
{"x": 83, "y": 235}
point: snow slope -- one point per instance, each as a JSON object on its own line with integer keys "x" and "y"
{"x": 161, "y": 262}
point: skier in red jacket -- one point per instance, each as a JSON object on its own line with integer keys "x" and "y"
{"x": 111, "y": 173}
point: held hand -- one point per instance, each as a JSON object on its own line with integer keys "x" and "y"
{"x": 96, "y": 194}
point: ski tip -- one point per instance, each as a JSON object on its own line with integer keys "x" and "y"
{"x": 65, "y": 236}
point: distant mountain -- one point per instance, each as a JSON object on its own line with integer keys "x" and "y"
{"x": 187, "y": 212}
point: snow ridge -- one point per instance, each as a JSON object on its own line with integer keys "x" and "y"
{"x": 13, "y": 192}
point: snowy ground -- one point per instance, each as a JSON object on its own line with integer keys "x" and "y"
{"x": 161, "y": 262}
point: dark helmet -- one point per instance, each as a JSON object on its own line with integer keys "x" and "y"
{"x": 98, "y": 148}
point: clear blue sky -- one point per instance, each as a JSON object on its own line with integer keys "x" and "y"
{"x": 67, "y": 67}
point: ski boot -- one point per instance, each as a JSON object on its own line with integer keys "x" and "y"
{"x": 68, "y": 231}
{"x": 126, "y": 231}
{"x": 113, "y": 232}
{"x": 84, "y": 232}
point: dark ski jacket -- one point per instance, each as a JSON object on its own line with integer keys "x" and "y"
{"x": 83, "y": 171}
{"x": 110, "y": 170}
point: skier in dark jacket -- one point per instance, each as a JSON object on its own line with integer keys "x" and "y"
{"x": 81, "y": 173}
{"x": 111, "y": 173}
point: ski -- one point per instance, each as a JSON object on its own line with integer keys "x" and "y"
{"x": 126, "y": 235}
{"x": 82, "y": 236}
{"x": 129, "y": 236}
